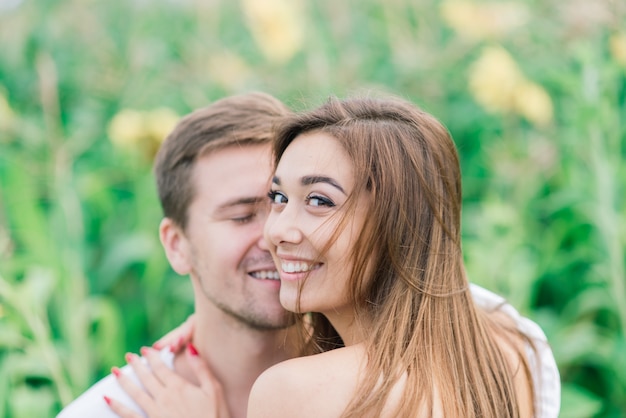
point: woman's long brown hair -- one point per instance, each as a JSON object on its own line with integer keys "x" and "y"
{"x": 408, "y": 284}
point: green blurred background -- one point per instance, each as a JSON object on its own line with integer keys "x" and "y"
{"x": 534, "y": 93}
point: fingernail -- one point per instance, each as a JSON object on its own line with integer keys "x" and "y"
{"x": 117, "y": 372}
{"x": 157, "y": 346}
{"x": 144, "y": 351}
{"x": 107, "y": 400}
{"x": 128, "y": 357}
{"x": 192, "y": 349}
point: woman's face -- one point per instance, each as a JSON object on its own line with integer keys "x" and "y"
{"x": 309, "y": 191}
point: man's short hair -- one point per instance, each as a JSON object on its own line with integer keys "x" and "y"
{"x": 241, "y": 120}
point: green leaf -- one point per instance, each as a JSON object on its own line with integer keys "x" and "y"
{"x": 27, "y": 401}
{"x": 577, "y": 402}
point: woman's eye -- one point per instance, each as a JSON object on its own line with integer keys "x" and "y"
{"x": 277, "y": 197}
{"x": 319, "y": 201}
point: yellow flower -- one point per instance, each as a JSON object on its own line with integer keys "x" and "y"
{"x": 228, "y": 70}
{"x": 131, "y": 129}
{"x": 498, "y": 84}
{"x": 160, "y": 122}
{"x": 477, "y": 21}
{"x": 126, "y": 128}
{"x": 617, "y": 44}
{"x": 277, "y": 27}
{"x": 493, "y": 79}
{"x": 533, "y": 103}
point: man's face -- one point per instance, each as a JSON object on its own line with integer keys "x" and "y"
{"x": 228, "y": 261}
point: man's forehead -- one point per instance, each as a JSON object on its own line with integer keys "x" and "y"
{"x": 249, "y": 164}
{"x": 232, "y": 179}
{"x": 225, "y": 148}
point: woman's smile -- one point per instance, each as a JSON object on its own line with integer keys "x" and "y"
{"x": 296, "y": 269}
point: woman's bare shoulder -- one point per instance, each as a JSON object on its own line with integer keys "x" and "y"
{"x": 313, "y": 386}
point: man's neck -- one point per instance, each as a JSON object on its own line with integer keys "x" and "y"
{"x": 236, "y": 354}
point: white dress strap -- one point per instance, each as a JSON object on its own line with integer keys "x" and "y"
{"x": 545, "y": 374}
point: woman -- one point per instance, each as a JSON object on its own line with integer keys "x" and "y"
{"x": 365, "y": 231}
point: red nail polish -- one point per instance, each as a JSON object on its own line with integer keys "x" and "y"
{"x": 192, "y": 349}
{"x": 117, "y": 372}
{"x": 128, "y": 357}
{"x": 144, "y": 351}
{"x": 107, "y": 400}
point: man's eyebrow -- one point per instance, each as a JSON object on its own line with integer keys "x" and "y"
{"x": 252, "y": 200}
{"x": 308, "y": 180}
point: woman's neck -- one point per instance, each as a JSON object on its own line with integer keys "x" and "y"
{"x": 346, "y": 326}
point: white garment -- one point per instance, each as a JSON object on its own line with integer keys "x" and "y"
{"x": 546, "y": 378}
{"x": 91, "y": 404}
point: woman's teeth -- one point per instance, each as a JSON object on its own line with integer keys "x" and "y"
{"x": 298, "y": 267}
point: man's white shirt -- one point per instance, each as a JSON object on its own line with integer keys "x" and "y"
{"x": 91, "y": 404}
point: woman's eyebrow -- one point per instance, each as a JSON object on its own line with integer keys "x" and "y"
{"x": 308, "y": 180}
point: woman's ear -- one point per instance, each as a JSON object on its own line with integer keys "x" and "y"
{"x": 176, "y": 245}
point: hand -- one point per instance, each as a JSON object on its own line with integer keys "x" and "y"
{"x": 166, "y": 394}
{"x": 177, "y": 338}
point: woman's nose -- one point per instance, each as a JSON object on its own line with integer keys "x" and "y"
{"x": 282, "y": 227}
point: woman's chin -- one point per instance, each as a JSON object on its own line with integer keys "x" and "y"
{"x": 289, "y": 301}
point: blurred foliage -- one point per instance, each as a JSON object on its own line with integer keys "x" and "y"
{"x": 533, "y": 91}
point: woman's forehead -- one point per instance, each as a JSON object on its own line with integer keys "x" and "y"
{"x": 315, "y": 154}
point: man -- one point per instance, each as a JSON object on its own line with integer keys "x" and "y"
{"x": 213, "y": 175}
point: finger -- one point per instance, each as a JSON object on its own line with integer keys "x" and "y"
{"x": 150, "y": 382}
{"x": 159, "y": 369}
{"x": 178, "y": 346}
{"x": 120, "y": 409}
{"x": 178, "y": 337}
{"x": 173, "y": 339}
{"x": 138, "y": 394}
{"x": 208, "y": 381}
